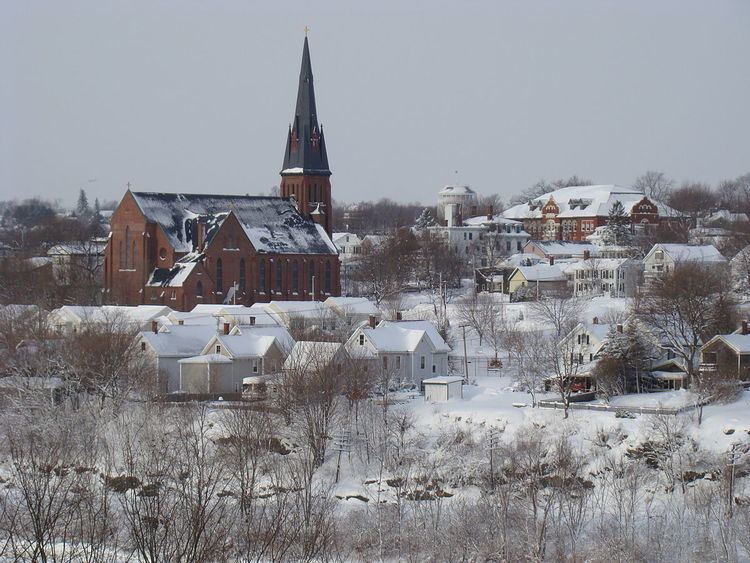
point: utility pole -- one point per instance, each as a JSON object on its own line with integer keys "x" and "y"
{"x": 342, "y": 443}
{"x": 492, "y": 446}
{"x": 466, "y": 359}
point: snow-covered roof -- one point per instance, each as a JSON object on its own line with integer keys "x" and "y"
{"x": 390, "y": 338}
{"x": 584, "y": 201}
{"x": 726, "y": 215}
{"x": 739, "y": 342}
{"x": 272, "y": 224}
{"x": 521, "y": 259}
{"x": 245, "y": 344}
{"x": 541, "y": 272}
{"x": 457, "y": 190}
{"x": 352, "y": 306}
{"x": 437, "y": 341}
{"x": 558, "y": 248}
{"x": 94, "y": 248}
{"x": 688, "y": 253}
{"x": 442, "y": 380}
{"x": 483, "y": 220}
{"x": 284, "y": 310}
{"x": 179, "y": 341}
{"x": 206, "y": 359}
{"x": 171, "y": 277}
{"x": 280, "y": 333}
{"x": 107, "y": 313}
{"x": 595, "y": 264}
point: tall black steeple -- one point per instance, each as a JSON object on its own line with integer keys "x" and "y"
{"x": 305, "y": 145}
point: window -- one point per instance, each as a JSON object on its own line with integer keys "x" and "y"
{"x": 242, "y": 274}
{"x": 295, "y": 276}
{"x": 507, "y": 245}
{"x": 199, "y": 289}
{"x": 434, "y": 367}
{"x": 588, "y": 339}
{"x": 385, "y": 362}
{"x": 218, "y": 348}
{"x": 219, "y": 276}
{"x": 361, "y": 339}
{"x": 279, "y": 276}
{"x": 262, "y": 276}
{"x": 471, "y": 236}
{"x": 252, "y": 321}
{"x": 421, "y": 362}
{"x": 143, "y": 346}
{"x": 126, "y": 263}
{"x": 591, "y": 357}
{"x": 398, "y": 362}
{"x": 518, "y": 245}
{"x": 255, "y": 366}
{"x": 134, "y": 254}
{"x": 328, "y": 277}
{"x": 162, "y": 253}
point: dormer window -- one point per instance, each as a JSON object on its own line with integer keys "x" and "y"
{"x": 218, "y": 349}
{"x": 361, "y": 339}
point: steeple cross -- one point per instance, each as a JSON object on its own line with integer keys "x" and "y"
{"x": 306, "y": 30}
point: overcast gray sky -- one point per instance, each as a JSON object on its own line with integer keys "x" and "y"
{"x": 196, "y": 96}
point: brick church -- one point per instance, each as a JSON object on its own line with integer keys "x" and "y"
{"x": 180, "y": 250}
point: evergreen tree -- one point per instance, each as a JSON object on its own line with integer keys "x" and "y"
{"x": 617, "y": 232}
{"x": 82, "y": 207}
{"x": 424, "y": 220}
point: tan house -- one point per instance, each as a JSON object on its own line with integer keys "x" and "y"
{"x": 542, "y": 278}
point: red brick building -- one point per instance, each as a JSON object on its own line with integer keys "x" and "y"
{"x": 183, "y": 249}
{"x": 574, "y": 213}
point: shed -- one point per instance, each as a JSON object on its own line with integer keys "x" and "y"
{"x": 443, "y": 388}
{"x": 210, "y": 373}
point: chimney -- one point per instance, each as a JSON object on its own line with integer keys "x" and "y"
{"x": 619, "y": 328}
{"x": 200, "y": 237}
{"x": 154, "y": 327}
{"x": 596, "y": 320}
{"x": 372, "y": 321}
{"x": 551, "y": 260}
{"x": 181, "y": 322}
{"x": 398, "y": 316}
{"x": 226, "y": 328}
{"x": 586, "y": 255}
{"x": 744, "y": 327}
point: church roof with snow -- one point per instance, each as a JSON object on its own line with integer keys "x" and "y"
{"x": 272, "y": 224}
{"x": 584, "y": 201}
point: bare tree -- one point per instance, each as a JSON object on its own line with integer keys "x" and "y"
{"x": 560, "y": 310}
{"x": 309, "y": 395}
{"x": 656, "y": 186}
{"x": 563, "y": 366}
{"x": 693, "y": 198}
{"x": 529, "y": 359}
{"x": 686, "y": 307}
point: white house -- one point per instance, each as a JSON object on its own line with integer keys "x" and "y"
{"x": 171, "y": 344}
{"x": 407, "y": 351}
{"x": 349, "y": 245}
{"x": 662, "y": 258}
{"x": 617, "y": 277}
{"x": 251, "y": 353}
